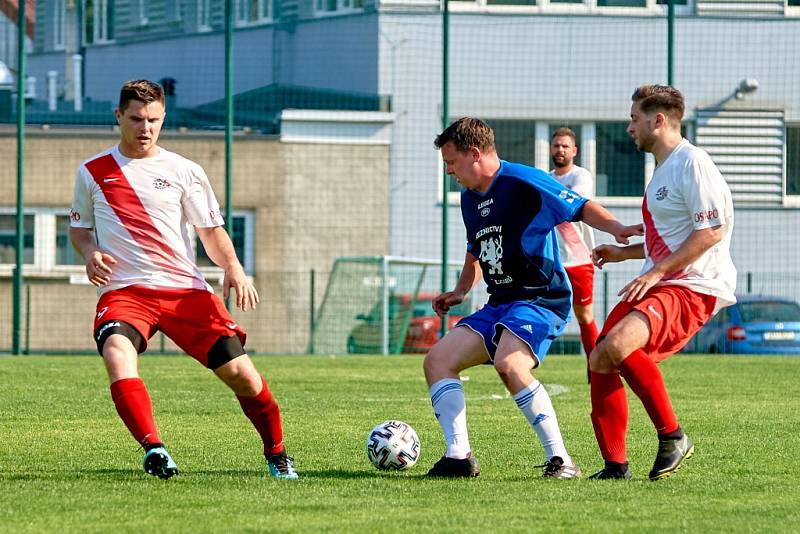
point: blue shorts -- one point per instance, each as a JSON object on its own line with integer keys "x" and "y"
{"x": 536, "y": 326}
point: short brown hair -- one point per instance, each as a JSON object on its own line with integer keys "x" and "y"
{"x": 663, "y": 98}
{"x": 141, "y": 90}
{"x": 565, "y": 132}
{"x": 465, "y": 133}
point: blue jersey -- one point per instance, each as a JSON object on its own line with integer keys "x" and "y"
{"x": 511, "y": 230}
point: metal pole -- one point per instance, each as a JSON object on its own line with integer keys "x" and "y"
{"x": 445, "y": 120}
{"x": 670, "y": 40}
{"x": 27, "y": 319}
{"x": 20, "y": 242}
{"x": 312, "y": 306}
{"x": 385, "y": 299}
{"x": 228, "y": 119}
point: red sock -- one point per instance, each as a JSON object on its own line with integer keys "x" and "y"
{"x": 265, "y": 415}
{"x": 135, "y": 408}
{"x": 589, "y": 335}
{"x": 642, "y": 375}
{"x": 609, "y": 415}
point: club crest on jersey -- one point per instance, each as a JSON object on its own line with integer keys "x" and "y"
{"x": 492, "y": 253}
{"x": 485, "y": 212}
{"x": 160, "y": 183}
{"x": 662, "y": 192}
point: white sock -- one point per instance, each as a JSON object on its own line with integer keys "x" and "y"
{"x": 534, "y": 402}
{"x": 450, "y": 408}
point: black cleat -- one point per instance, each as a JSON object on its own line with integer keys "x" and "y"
{"x": 555, "y": 468}
{"x": 670, "y": 457}
{"x": 159, "y": 463}
{"x": 453, "y": 467}
{"x": 613, "y": 471}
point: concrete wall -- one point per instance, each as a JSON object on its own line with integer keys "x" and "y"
{"x": 311, "y": 203}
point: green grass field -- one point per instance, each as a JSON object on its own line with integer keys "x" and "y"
{"x": 68, "y": 464}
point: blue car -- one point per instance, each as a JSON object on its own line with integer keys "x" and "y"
{"x": 754, "y": 325}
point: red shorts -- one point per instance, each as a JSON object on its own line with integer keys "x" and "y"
{"x": 193, "y": 318}
{"x": 675, "y": 314}
{"x": 581, "y": 277}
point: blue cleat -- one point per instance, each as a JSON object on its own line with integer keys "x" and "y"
{"x": 159, "y": 463}
{"x": 282, "y": 466}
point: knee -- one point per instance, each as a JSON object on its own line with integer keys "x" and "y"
{"x": 433, "y": 363}
{"x": 244, "y": 380}
{"x": 604, "y": 356}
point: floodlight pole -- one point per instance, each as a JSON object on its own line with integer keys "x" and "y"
{"x": 670, "y": 40}
{"x": 16, "y": 344}
{"x": 445, "y": 119}
{"x": 228, "y": 120}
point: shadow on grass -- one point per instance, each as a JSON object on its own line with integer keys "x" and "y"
{"x": 133, "y": 474}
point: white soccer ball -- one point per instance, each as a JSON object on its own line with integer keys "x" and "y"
{"x": 393, "y": 445}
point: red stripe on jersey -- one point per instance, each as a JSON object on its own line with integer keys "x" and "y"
{"x": 657, "y": 249}
{"x": 128, "y": 207}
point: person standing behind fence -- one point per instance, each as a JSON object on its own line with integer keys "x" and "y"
{"x": 510, "y": 212}
{"x": 130, "y": 218}
{"x": 576, "y": 239}
{"x": 688, "y": 275}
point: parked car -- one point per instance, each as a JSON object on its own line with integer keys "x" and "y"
{"x": 422, "y": 326}
{"x": 754, "y": 325}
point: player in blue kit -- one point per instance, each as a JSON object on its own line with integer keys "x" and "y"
{"x": 510, "y": 212}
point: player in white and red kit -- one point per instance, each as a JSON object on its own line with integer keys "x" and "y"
{"x": 132, "y": 212}
{"x": 576, "y": 239}
{"x": 687, "y": 276}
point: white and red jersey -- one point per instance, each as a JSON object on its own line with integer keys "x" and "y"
{"x": 576, "y": 239}
{"x": 688, "y": 193}
{"x": 141, "y": 211}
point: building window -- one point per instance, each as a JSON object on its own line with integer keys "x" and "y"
{"x": 793, "y": 160}
{"x": 621, "y": 3}
{"x": 515, "y": 140}
{"x": 674, "y": 2}
{"x": 59, "y": 14}
{"x": 252, "y": 11}
{"x": 8, "y": 239}
{"x": 203, "y": 15}
{"x": 793, "y": 3}
{"x": 98, "y": 21}
{"x": 510, "y": 2}
{"x": 65, "y": 252}
{"x": 620, "y": 166}
{"x": 334, "y": 6}
{"x": 243, "y": 242}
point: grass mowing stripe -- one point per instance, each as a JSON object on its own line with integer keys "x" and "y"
{"x": 67, "y": 463}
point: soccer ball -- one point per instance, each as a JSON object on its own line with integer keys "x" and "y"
{"x": 393, "y": 445}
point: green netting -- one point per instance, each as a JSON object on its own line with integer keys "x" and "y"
{"x": 370, "y": 302}
{"x": 336, "y": 105}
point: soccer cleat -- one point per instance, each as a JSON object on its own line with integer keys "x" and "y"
{"x": 670, "y": 457}
{"x": 282, "y": 466}
{"x": 555, "y": 468}
{"x": 159, "y": 463}
{"x": 613, "y": 471}
{"x": 455, "y": 467}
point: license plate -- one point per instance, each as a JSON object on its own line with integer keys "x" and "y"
{"x": 778, "y": 336}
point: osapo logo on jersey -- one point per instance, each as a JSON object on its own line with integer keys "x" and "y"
{"x": 491, "y": 253}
